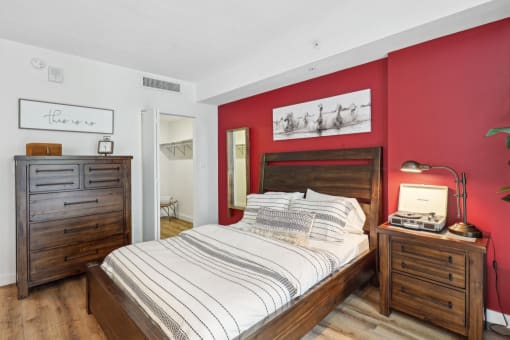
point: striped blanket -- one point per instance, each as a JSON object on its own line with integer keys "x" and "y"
{"x": 214, "y": 282}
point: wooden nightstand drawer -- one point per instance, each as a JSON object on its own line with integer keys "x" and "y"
{"x": 435, "y": 264}
{"x": 439, "y": 304}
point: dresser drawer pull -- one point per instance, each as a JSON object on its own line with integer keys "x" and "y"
{"x": 104, "y": 180}
{"x": 70, "y": 258}
{"x": 104, "y": 169}
{"x": 80, "y": 229}
{"x": 53, "y": 170}
{"x": 404, "y": 250}
{"x": 51, "y": 184}
{"x": 80, "y": 202}
{"x": 448, "y": 304}
{"x": 406, "y": 266}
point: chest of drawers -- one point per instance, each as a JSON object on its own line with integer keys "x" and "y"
{"x": 70, "y": 210}
{"x": 433, "y": 277}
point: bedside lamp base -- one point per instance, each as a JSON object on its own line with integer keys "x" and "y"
{"x": 466, "y": 230}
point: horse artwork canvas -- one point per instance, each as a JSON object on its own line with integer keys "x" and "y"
{"x": 338, "y": 115}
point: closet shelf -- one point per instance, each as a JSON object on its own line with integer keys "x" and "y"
{"x": 179, "y": 146}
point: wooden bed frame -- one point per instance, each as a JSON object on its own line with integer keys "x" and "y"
{"x": 344, "y": 172}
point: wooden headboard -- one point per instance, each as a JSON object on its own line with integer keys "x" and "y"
{"x": 340, "y": 172}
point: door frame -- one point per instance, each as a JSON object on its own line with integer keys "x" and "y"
{"x": 157, "y": 175}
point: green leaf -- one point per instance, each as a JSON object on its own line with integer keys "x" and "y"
{"x": 508, "y": 142}
{"x": 504, "y": 189}
{"x": 506, "y": 198}
{"x": 498, "y": 130}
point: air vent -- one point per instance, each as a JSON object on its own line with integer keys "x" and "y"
{"x": 161, "y": 84}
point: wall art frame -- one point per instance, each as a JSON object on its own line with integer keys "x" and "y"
{"x": 342, "y": 114}
{"x": 51, "y": 116}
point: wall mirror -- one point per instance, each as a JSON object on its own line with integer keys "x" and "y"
{"x": 238, "y": 165}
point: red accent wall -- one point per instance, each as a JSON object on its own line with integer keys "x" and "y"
{"x": 431, "y": 102}
{"x": 443, "y": 96}
{"x": 256, "y": 113}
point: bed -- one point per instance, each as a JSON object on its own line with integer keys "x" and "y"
{"x": 345, "y": 172}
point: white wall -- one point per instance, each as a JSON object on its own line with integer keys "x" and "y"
{"x": 176, "y": 175}
{"x": 92, "y": 83}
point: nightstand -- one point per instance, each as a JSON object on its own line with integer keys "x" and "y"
{"x": 433, "y": 277}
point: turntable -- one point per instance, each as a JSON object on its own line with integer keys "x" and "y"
{"x": 421, "y": 207}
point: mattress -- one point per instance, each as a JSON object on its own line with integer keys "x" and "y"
{"x": 215, "y": 282}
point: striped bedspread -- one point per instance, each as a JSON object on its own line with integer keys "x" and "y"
{"x": 215, "y": 282}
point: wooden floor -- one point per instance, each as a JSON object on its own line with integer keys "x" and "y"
{"x": 173, "y": 226}
{"x": 57, "y": 311}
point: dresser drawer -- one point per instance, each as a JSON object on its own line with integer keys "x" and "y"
{"x": 102, "y": 175}
{"x": 61, "y": 205}
{"x": 50, "y": 177}
{"x": 75, "y": 230}
{"x": 63, "y": 261}
{"x": 442, "y": 265}
{"x": 432, "y": 302}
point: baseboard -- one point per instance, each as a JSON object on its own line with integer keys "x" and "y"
{"x": 185, "y": 217}
{"x": 7, "y": 279}
{"x": 496, "y": 317}
{"x": 179, "y": 216}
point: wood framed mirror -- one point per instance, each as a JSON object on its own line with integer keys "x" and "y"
{"x": 238, "y": 165}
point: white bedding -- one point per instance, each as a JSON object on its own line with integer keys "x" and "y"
{"x": 215, "y": 282}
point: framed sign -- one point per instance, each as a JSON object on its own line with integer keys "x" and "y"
{"x": 41, "y": 115}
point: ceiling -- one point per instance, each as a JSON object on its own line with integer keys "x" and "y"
{"x": 232, "y": 49}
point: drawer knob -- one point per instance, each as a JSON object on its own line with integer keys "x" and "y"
{"x": 450, "y": 259}
{"x": 70, "y": 258}
{"x": 52, "y": 184}
{"x": 404, "y": 265}
{"x": 450, "y": 304}
{"x": 104, "y": 169}
{"x": 81, "y": 202}
{"x": 53, "y": 170}
{"x": 80, "y": 229}
{"x": 104, "y": 180}
{"x": 450, "y": 276}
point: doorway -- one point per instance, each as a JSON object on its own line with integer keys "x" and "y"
{"x": 175, "y": 174}
{"x": 167, "y": 173}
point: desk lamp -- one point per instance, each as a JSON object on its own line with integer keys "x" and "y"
{"x": 462, "y": 227}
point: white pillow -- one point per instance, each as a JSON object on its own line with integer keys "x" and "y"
{"x": 330, "y": 218}
{"x": 289, "y": 226}
{"x": 356, "y": 217}
{"x": 292, "y": 195}
{"x": 256, "y": 201}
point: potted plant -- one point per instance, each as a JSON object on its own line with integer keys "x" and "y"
{"x": 493, "y": 132}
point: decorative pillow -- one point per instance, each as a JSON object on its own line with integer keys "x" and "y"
{"x": 330, "y": 217}
{"x": 256, "y": 201}
{"x": 356, "y": 217}
{"x": 290, "y": 226}
{"x": 292, "y": 195}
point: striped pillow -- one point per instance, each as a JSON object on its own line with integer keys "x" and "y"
{"x": 330, "y": 217}
{"x": 290, "y": 226}
{"x": 356, "y": 218}
{"x": 256, "y": 201}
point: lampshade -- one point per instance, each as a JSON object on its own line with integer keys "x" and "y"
{"x": 414, "y": 166}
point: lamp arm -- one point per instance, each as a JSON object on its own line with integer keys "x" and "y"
{"x": 457, "y": 184}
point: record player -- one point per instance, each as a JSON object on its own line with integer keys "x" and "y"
{"x": 421, "y": 207}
